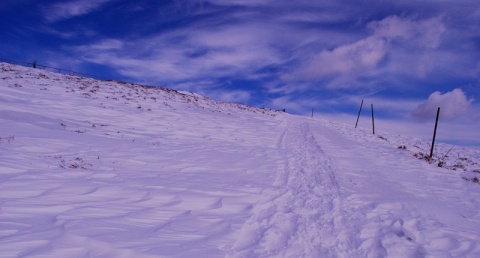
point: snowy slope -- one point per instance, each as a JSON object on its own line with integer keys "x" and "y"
{"x": 106, "y": 169}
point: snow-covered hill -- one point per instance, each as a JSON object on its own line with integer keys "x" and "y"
{"x": 107, "y": 169}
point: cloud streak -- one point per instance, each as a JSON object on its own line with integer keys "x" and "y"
{"x": 343, "y": 66}
{"x": 224, "y": 51}
{"x": 66, "y": 10}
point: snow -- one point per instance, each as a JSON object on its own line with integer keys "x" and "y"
{"x": 109, "y": 169}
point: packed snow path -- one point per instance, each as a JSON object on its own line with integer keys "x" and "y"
{"x": 106, "y": 169}
{"x": 303, "y": 215}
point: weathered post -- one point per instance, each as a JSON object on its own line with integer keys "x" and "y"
{"x": 434, "y": 132}
{"x": 359, "y": 113}
{"x": 312, "y": 112}
{"x": 34, "y": 64}
{"x": 373, "y": 120}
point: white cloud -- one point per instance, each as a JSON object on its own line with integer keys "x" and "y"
{"x": 344, "y": 62}
{"x": 104, "y": 45}
{"x": 67, "y": 10}
{"x": 188, "y": 54}
{"x": 343, "y": 65}
{"x": 423, "y": 34}
{"x": 452, "y": 105}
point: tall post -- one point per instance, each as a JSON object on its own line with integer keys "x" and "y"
{"x": 312, "y": 112}
{"x": 359, "y": 114}
{"x": 373, "y": 120}
{"x": 434, "y": 132}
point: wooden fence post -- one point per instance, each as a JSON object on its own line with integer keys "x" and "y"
{"x": 434, "y": 132}
{"x": 373, "y": 120}
{"x": 359, "y": 113}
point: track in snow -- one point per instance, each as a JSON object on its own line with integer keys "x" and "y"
{"x": 303, "y": 216}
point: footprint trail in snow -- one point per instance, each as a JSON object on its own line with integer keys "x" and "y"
{"x": 303, "y": 215}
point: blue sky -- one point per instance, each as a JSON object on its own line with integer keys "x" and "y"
{"x": 405, "y": 57}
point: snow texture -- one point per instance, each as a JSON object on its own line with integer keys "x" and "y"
{"x": 110, "y": 169}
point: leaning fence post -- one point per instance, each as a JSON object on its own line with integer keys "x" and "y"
{"x": 359, "y": 113}
{"x": 373, "y": 120}
{"x": 434, "y": 132}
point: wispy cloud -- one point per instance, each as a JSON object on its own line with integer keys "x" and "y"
{"x": 343, "y": 63}
{"x": 66, "y": 10}
{"x": 342, "y": 66}
{"x": 188, "y": 54}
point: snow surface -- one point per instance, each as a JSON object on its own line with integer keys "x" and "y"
{"x": 108, "y": 169}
